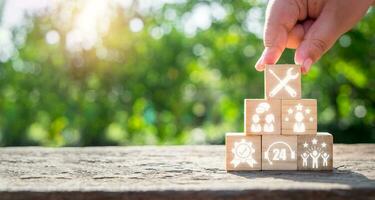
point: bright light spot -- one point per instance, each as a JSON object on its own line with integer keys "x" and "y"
{"x": 52, "y": 37}
{"x": 102, "y": 53}
{"x": 199, "y": 50}
{"x": 157, "y": 32}
{"x": 89, "y": 25}
{"x": 216, "y": 74}
{"x": 14, "y": 12}
{"x": 18, "y": 65}
{"x": 249, "y": 51}
{"x": 170, "y": 14}
{"x": 345, "y": 41}
{"x": 217, "y": 11}
{"x": 17, "y": 14}
{"x": 199, "y": 18}
{"x": 7, "y": 47}
{"x": 136, "y": 25}
{"x": 189, "y": 92}
{"x": 73, "y": 39}
{"x": 24, "y": 66}
{"x": 327, "y": 115}
{"x": 124, "y": 4}
{"x": 167, "y": 28}
{"x": 19, "y": 37}
{"x": 254, "y": 21}
{"x": 115, "y": 132}
{"x": 360, "y": 111}
{"x": 197, "y": 136}
{"x": 199, "y": 109}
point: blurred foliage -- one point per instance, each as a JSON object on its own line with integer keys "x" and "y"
{"x": 165, "y": 82}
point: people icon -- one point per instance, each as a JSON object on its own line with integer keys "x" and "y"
{"x": 261, "y": 113}
{"x": 318, "y": 155}
{"x": 325, "y": 157}
{"x": 304, "y": 157}
{"x": 268, "y": 126}
{"x": 315, "y": 158}
{"x": 299, "y": 126}
{"x": 301, "y": 116}
{"x": 255, "y": 126}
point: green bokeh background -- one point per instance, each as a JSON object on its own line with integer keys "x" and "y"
{"x": 165, "y": 85}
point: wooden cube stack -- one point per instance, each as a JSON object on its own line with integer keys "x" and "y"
{"x": 280, "y": 130}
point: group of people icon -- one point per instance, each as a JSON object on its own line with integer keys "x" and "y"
{"x": 267, "y": 127}
{"x": 315, "y": 155}
{"x": 269, "y": 118}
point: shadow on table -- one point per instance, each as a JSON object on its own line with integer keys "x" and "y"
{"x": 337, "y": 176}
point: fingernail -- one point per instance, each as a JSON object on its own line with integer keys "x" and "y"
{"x": 258, "y": 65}
{"x": 306, "y": 65}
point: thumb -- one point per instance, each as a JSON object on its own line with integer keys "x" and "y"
{"x": 319, "y": 38}
{"x": 280, "y": 19}
{"x": 328, "y": 27}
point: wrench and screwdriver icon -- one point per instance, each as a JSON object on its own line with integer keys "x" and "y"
{"x": 284, "y": 83}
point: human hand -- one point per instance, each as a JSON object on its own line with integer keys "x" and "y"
{"x": 309, "y": 26}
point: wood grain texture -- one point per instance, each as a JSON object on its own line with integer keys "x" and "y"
{"x": 315, "y": 152}
{"x": 271, "y": 82}
{"x": 253, "y": 107}
{"x": 238, "y": 152}
{"x": 295, "y": 113}
{"x": 279, "y": 152}
{"x": 174, "y": 172}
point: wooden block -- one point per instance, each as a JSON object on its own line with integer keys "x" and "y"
{"x": 282, "y": 81}
{"x": 243, "y": 152}
{"x": 262, "y": 117}
{"x": 299, "y": 117}
{"x": 279, "y": 152}
{"x": 315, "y": 152}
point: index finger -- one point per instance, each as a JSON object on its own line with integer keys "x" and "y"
{"x": 281, "y": 17}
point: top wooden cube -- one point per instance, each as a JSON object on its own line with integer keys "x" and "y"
{"x": 282, "y": 81}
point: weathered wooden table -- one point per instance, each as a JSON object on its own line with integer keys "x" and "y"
{"x": 174, "y": 172}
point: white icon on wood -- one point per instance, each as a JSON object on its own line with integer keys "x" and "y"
{"x": 304, "y": 156}
{"x": 260, "y": 111}
{"x": 243, "y": 152}
{"x": 315, "y": 156}
{"x": 270, "y": 120}
{"x": 278, "y": 151}
{"x": 314, "y": 153}
{"x": 299, "y": 126}
{"x": 298, "y": 114}
{"x": 283, "y": 83}
{"x": 255, "y": 126}
{"x": 325, "y": 157}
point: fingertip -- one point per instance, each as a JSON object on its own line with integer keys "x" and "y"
{"x": 302, "y": 58}
{"x": 269, "y": 56}
{"x": 259, "y": 67}
{"x": 306, "y": 65}
{"x": 298, "y": 57}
